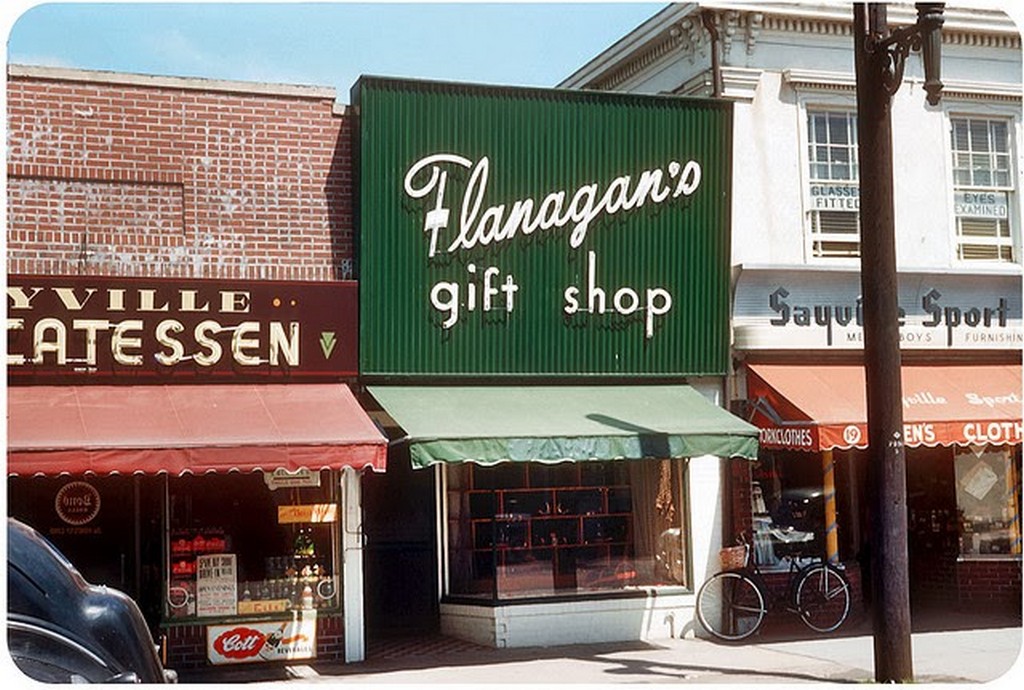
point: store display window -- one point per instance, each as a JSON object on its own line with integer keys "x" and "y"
{"x": 788, "y": 507}
{"x": 521, "y": 530}
{"x": 988, "y": 501}
{"x": 252, "y": 544}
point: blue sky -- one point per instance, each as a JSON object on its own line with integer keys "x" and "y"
{"x": 327, "y": 44}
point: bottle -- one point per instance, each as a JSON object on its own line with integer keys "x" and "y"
{"x": 307, "y": 597}
{"x": 304, "y": 545}
{"x": 269, "y": 648}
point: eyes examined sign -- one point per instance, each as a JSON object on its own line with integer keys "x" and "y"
{"x": 508, "y": 231}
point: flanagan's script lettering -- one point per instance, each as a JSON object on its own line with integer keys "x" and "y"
{"x": 481, "y": 225}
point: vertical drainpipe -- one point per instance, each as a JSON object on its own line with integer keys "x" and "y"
{"x": 708, "y": 18}
{"x": 351, "y": 578}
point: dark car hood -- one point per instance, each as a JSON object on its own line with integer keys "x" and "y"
{"x": 43, "y": 585}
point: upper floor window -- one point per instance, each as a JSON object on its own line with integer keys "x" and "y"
{"x": 834, "y": 199}
{"x": 982, "y": 188}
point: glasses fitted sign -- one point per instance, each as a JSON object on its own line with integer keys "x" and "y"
{"x": 521, "y": 231}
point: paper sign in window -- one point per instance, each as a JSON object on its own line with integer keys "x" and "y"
{"x": 979, "y": 480}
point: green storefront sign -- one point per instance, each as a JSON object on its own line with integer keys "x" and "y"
{"x": 528, "y": 232}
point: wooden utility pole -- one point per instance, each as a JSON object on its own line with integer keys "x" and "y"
{"x": 879, "y": 60}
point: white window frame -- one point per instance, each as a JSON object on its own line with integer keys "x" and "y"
{"x": 986, "y": 111}
{"x": 840, "y": 99}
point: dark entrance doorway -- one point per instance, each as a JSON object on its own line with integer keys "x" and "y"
{"x": 932, "y": 528}
{"x": 399, "y": 557}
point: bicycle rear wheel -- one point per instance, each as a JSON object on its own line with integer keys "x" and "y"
{"x": 730, "y": 606}
{"x": 823, "y": 597}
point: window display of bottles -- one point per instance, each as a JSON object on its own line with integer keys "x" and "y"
{"x": 300, "y": 580}
{"x": 292, "y": 583}
{"x": 279, "y": 537}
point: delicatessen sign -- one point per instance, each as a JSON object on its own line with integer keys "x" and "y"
{"x": 507, "y": 232}
{"x": 133, "y": 329}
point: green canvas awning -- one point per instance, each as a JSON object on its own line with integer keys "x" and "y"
{"x": 491, "y": 424}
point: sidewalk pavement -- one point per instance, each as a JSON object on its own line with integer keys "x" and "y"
{"x": 955, "y": 653}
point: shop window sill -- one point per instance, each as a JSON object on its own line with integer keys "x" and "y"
{"x": 632, "y": 593}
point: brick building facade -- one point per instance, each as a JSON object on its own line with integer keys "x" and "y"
{"x": 142, "y": 176}
{"x": 152, "y": 183}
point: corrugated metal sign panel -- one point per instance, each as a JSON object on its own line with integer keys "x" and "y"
{"x": 520, "y": 232}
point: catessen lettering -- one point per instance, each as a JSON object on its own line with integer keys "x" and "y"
{"x": 77, "y": 343}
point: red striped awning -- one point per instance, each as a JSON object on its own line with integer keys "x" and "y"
{"x": 821, "y": 407}
{"x": 180, "y": 429}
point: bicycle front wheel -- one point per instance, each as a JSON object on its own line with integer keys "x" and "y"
{"x": 730, "y": 606}
{"x": 823, "y": 597}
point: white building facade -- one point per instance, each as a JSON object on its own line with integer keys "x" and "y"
{"x": 797, "y": 340}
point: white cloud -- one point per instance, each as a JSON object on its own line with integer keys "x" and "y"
{"x": 172, "y": 46}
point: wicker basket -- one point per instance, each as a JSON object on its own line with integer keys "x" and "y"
{"x": 733, "y": 557}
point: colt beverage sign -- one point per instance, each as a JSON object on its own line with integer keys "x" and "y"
{"x": 136, "y": 330}
{"x": 258, "y": 641}
{"x": 508, "y": 231}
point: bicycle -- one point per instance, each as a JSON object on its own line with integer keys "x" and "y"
{"x": 732, "y": 604}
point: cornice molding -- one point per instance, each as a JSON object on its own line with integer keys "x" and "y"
{"x": 982, "y": 91}
{"x": 652, "y": 54}
{"x": 738, "y": 84}
{"x": 951, "y": 35}
{"x": 185, "y": 83}
{"x": 813, "y": 80}
{"x": 742, "y": 25}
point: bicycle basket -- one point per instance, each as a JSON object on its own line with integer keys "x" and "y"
{"x": 733, "y": 557}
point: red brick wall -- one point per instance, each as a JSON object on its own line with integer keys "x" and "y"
{"x": 186, "y": 644}
{"x": 175, "y": 178}
{"x": 778, "y": 584}
{"x": 739, "y": 517}
{"x": 991, "y": 585}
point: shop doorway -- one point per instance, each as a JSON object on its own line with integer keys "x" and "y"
{"x": 932, "y": 529}
{"x": 400, "y": 554}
